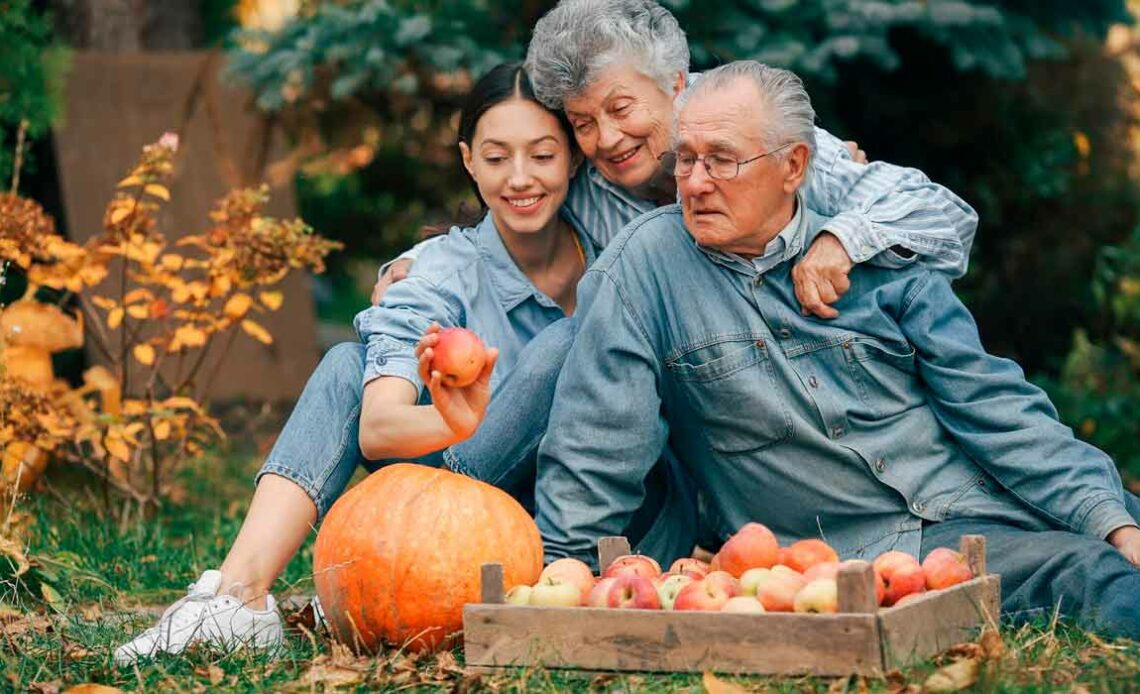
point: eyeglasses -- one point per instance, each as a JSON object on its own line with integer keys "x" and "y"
{"x": 721, "y": 167}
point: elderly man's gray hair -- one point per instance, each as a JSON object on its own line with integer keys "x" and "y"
{"x": 579, "y": 38}
{"x": 790, "y": 117}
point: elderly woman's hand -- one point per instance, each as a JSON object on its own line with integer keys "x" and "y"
{"x": 397, "y": 271}
{"x": 857, "y": 154}
{"x": 821, "y": 277}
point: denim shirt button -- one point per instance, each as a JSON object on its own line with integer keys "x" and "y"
{"x": 836, "y": 432}
{"x": 813, "y": 382}
{"x": 759, "y": 280}
{"x": 919, "y": 506}
{"x": 785, "y": 333}
{"x": 760, "y": 344}
{"x": 880, "y": 465}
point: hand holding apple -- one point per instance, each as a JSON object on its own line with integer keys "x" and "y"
{"x": 444, "y": 358}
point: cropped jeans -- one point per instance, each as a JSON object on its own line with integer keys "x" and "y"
{"x": 319, "y": 449}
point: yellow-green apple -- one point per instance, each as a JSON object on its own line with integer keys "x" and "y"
{"x": 901, "y": 574}
{"x": 633, "y": 565}
{"x": 691, "y": 566}
{"x": 753, "y": 546}
{"x": 459, "y": 357}
{"x": 633, "y": 592}
{"x": 804, "y": 554}
{"x": 669, "y": 586}
{"x": 944, "y": 568}
{"x": 743, "y": 604}
{"x": 519, "y": 595}
{"x": 774, "y": 588}
{"x": 708, "y": 594}
{"x": 553, "y": 591}
{"x": 819, "y": 596}
{"x": 599, "y": 594}
{"x": 574, "y": 571}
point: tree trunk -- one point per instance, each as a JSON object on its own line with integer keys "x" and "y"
{"x": 128, "y": 26}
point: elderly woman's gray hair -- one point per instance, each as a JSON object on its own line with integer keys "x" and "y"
{"x": 577, "y": 39}
{"x": 790, "y": 117}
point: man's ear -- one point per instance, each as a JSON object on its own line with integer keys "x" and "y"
{"x": 679, "y": 85}
{"x": 465, "y": 155}
{"x": 795, "y": 167}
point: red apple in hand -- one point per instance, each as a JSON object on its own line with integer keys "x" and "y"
{"x": 633, "y": 565}
{"x": 753, "y": 546}
{"x": 944, "y": 568}
{"x": 459, "y": 357}
{"x": 573, "y": 571}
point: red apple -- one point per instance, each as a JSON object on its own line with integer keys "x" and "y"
{"x": 633, "y": 565}
{"x": 901, "y": 574}
{"x": 574, "y": 571}
{"x": 828, "y": 569}
{"x": 774, "y": 588}
{"x": 944, "y": 568}
{"x": 691, "y": 566}
{"x": 743, "y": 604}
{"x": 555, "y": 592}
{"x": 633, "y": 592}
{"x": 805, "y": 554}
{"x": 669, "y": 585}
{"x": 704, "y": 594}
{"x": 459, "y": 357}
{"x": 599, "y": 594}
{"x": 819, "y": 596}
{"x": 908, "y": 598}
{"x": 753, "y": 546}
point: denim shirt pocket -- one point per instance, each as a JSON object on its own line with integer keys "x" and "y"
{"x": 887, "y": 375}
{"x": 728, "y": 382}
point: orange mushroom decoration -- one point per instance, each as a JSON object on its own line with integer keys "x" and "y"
{"x": 31, "y": 332}
{"x": 400, "y": 553}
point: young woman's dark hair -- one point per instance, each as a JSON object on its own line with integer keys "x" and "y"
{"x": 504, "y": 82}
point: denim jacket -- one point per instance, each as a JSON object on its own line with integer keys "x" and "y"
{"x": 856, "y": 429}
{"x": 467, "y": 279}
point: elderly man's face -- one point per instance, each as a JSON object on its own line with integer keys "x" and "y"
{"x": 743, "y": 214}
{"x": 621, "y": 122}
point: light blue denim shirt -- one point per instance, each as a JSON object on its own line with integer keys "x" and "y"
{"x": 467, "y": 279}
{"x": 855, "y": 429}
{"x": 872, "y": 209}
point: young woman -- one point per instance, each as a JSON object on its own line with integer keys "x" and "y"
{"x": 510, "y": 278}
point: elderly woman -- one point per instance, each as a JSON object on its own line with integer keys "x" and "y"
{"x": 615, "y": 67}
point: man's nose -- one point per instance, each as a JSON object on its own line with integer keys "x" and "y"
{"x": 699, "y": 181}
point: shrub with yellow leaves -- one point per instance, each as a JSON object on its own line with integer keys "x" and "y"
{"x": 136, "y": 419}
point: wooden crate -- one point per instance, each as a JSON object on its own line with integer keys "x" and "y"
{"x": 861, "y": 639}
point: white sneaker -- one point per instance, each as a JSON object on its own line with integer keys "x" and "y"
{"x": 203, "y": 616}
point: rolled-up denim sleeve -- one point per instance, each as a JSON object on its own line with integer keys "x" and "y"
{"x": 391, "y": 330}
{"x": 410, "y": 254}
{"x": 1004, "y": 423}
{"x": 878, "y": 208}
{"x": 605, "y": 430}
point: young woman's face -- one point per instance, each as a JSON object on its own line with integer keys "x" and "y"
{"x": 520, "y": 158}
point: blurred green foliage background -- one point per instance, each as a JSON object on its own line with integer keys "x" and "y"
{"x": 1026, "y": 108}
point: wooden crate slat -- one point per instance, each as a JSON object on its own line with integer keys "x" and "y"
{"x": 936, "y": 621}
{"x": 631, "y": 640}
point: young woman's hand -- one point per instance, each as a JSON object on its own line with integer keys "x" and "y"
{"x": 1127, "y": 540}
{"x": 462, "y": 409}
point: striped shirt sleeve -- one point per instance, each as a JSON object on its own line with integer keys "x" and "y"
{"x": 877, "y": 208}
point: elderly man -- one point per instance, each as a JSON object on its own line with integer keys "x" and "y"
{"x": 888, "y": 427}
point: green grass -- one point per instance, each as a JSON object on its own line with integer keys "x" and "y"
{"x": 111, "y": 578}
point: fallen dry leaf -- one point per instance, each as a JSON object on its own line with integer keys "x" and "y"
{"x": 328, "y": 675}
{"x": 953, "y": 677}
{"x": 993, "y": 648}
{"x": 715, "y": 685}
{"x": 212, "y": 673}
{"x": 93, "y": 689}
{"x": 52, "y": 687}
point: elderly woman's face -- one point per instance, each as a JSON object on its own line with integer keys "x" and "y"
{"x": 621, "y": 121}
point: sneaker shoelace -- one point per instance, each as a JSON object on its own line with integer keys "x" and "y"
{"x": 175, "y": 618}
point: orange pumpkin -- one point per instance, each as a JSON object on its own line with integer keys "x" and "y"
{"x": 400, "y": 553}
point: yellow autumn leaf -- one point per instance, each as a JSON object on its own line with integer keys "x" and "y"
{"x": 179, "y": 402}
{"x": 137, "y": 295}
{"x": 139, "y": 311}
{"x": 238, "y": 305}
{"x": 131, "y": 180}
{"x": 271, "y": 300}
{"x": 144, "y": 353}
{"x": 104, "y": 303}
{"x": 255, "y": 330}
{"x": 190, "y": 336}
{"x": 119, "y": 214}
{"x": 115, "y": 318}
{"x": 117, "y": 447}
{"x": 171, "y": 261}
{"x": 162, "y": 430}
{"x": 158, "y": 191}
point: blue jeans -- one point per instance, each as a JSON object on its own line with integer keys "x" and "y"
{"x": 1088, "y": 579}
{"x": 319, "y": 447}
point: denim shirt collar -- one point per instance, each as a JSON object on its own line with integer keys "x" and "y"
{"x": 640, "y": 204}
{"x": 512, "y": 286}
{"x": 785, "y": 246}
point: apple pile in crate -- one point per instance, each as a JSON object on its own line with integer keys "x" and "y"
{"x": 751, "y": 573}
